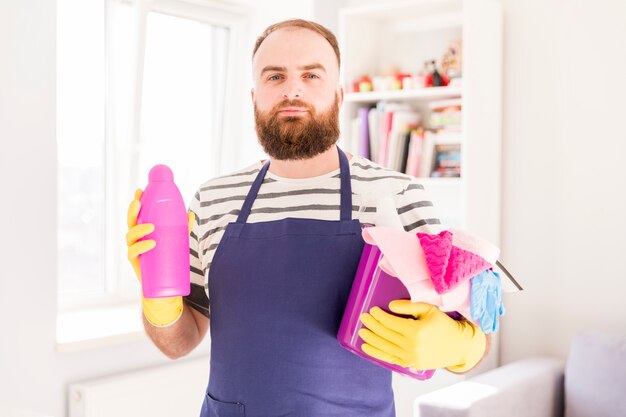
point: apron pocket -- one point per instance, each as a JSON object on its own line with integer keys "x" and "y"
{"x": 215, "y": 408}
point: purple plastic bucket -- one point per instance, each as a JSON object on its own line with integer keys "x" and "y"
{"x": 372, "y": 287}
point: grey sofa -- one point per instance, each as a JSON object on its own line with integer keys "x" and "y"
{"x": 591, "y": 383}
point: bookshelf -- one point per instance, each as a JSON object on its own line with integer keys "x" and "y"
{"x": 404, "y": 35}
{"x": 422, "y": 94}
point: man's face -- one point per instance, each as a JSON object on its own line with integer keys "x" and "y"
{"x": 297, "y": 94}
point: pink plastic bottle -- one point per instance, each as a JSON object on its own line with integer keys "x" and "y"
{"x": 164, "y": 269}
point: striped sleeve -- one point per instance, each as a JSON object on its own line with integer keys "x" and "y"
{"x": 416, "y": 210}
{"x": 197, "y": 298}
{"x": 413, "y": 203}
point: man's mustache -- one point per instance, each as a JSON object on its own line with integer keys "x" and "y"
{"x": 293, "y": 103}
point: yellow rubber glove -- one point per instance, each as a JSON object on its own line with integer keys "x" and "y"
{"x": 160, "y": 312}
{"x": 428, "y": 340}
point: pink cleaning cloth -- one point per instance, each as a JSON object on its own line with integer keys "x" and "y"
{"x": 404, "y": 258}
{"x": 485, "y": 249}
{"x": 449, "y": 265}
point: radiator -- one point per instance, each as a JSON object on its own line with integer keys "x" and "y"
{"x": 175, "y": 389}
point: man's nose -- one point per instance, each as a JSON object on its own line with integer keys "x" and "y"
{"x": 293, "y": 89}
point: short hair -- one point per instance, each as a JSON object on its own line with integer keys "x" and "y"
{"x": 300, "y": 23}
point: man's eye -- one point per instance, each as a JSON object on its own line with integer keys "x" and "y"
{"x": 311, "y": 76}
{"x": 274, "y": 78}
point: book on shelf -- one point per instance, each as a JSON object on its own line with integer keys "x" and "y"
{"x": 426, "y": 160}
{"x": 402, "y": 122}
{"x": 441, "y": 155}
{"x": 373, "y": 127}
{"x": 446, "y": 160}
{"x": 383, "y": 137}
{"x": 445, "y": 114}
{"x": 414, "y": 157}
{"x": 404, "y": 153}
{"x": 374, "y": 132}
{"x": 363, "y": 141}
{"x": 392, "y": 118}
{"x": 391, "y": 135}
{"x": 398, "y": 151}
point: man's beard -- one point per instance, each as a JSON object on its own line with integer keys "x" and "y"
{"x": 297, "y": 137}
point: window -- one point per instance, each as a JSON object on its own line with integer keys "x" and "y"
{"x": 182, "y": 97}
{"x": 139, "y": 83}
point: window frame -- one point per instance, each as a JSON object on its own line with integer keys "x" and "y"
{"x": 119, "y": 290}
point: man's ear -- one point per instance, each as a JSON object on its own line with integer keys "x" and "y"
{"x": 340, "y": 95}
{"x": 252, "y": 94}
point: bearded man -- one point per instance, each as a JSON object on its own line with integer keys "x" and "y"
{"x": 275, "y": 247}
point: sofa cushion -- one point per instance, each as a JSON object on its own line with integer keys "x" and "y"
{"x": 595, "y": 376}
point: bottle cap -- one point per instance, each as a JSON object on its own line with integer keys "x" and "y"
{"x": 161, "y": 173}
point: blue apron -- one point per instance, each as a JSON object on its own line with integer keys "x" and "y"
{"x": 278, "y": 290}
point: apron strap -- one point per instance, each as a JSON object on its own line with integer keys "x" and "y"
{"x": 346, "y": 187}
{"x": 254, "y": 190}
{"x": 346, "y": 190}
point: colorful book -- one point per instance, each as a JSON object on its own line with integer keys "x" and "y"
{"x": 415, "y": 153}
{"x": 374, "y": 132}
{"x": 363, "y": 139}
{"x": 426, "y": 163}
{"x": 404, "y": 120}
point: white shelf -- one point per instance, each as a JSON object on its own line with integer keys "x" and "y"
{"x": 431, "y": 93}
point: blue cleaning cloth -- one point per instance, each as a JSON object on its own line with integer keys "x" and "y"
{"x": 486, "y": 300}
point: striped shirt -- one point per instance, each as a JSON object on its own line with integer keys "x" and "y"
{"x": 218, "y": 202}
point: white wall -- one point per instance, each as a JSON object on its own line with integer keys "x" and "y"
{"x": 33, "y": 374}
{"x": 564, "y": 202}
{"x": 27, "y": 217}
{"x": 325, "y": 13}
